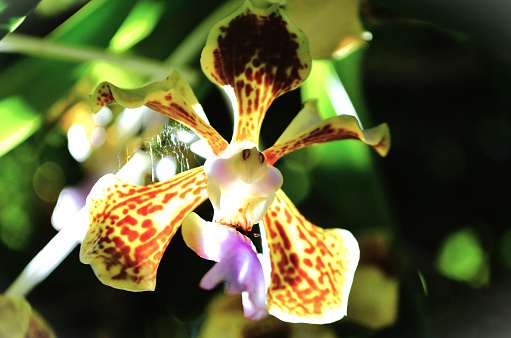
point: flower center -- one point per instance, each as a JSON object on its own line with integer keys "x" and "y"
{"x": 241, "y": 187}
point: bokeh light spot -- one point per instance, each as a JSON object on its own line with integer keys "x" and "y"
{"x": 166, "y": 168}
{"x": 105, "y": 71}
{"x": 78, "y": 143}
{"x": 98, "y": 136}
{"x": 48, "y": 181}
{"x": 102, "y": 117}
{"x": 185, "y": 136}
{"x": 15, "y": 227}
{"x": 462, "y": 258}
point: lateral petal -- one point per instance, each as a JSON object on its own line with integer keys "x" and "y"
{"x": 261, "y": 54}
{"x": 342, "y": 127}
{"x": 306, "y": 118}
{"x": 312, "y": 268}
{"x": 171, "y": 97}
{"x": 130, "y": 226}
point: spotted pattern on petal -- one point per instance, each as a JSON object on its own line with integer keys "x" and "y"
{"x": 342, "y": 127}
{"x": 101, "y": 97}
{"x": 262, "y": 55}
{"x": 311, "y": 268}
{"x": 173, "y": 105}
{"x": 171, "y": 97}
{"x": 131, "y": 226}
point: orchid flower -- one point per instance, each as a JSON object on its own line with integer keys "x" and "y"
{"x": 261, "y": 55}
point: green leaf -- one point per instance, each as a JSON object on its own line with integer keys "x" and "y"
{"x": 39, "y": 82}
{"x": 17, "y": 122}
{"x": 12, "y": 13}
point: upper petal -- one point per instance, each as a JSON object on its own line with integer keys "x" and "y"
{"x": 312, "y": 268}
{"x": 131, "y": 226}
{"x": 262, "y": 55}
{"x": 342, "y": 127}
{"x": 171, "y": 97}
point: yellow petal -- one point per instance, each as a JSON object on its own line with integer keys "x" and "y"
{"x": 342, "y": 127}
{"x": 262, "y": 55}
{"x": 311, "y": 268}
{"x": 171, "y": 97}
{"x": 131, "y": 226}
{"x": 306, "y": 118}
{"x": 14, "y": 316}
{"x": 18, "y": 319}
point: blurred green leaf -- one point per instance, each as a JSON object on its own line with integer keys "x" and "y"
{"x": 39, "y": 83}
{"x": 138, "y": 25}
{"x": 17, "y": 122}
{"x": 12, "y": 13}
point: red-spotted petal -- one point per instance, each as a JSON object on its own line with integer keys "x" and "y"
{"x": 171, "y": 97}
{"x": 312, "y": 268}
{"x": 342, "y": 127}
{"x": 131, "y": 226}
{"x": 262, "y": 55}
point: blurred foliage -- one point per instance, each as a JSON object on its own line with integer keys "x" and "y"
{"x": 17, "y": 320}
{"x": 438, "y": 73}
{"x": 12, "y": 14}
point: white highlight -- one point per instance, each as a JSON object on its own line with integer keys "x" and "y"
{"x": 69, "y": 203}
{"x": 17, "y": 24}
{"x": 205, "y": 238}
{"x": 185, "y": 136}
{"x": 133, "y": 171}
{"x": 78, "y": 143}
{"x": 102, "y": 117}
{"x": 166, "y": 168}
{"x": 202, "y": 149}
{"x": 367, "y": 36}
{"x": 200, "y": 111}
{"x": 229, "y": 91}
{"x": 130, "y": 119}
{"x": 339, "y": 97}
{"x": 264, "y": 257}
{"x": 98, "y": 137}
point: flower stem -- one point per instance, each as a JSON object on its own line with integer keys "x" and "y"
{"x": 50, "y": 256}
{"x": 29, "y": 45}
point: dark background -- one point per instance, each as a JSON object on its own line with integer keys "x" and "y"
{"x": 438, "y": 72}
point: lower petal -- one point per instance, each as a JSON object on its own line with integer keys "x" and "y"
{"x": 131, "y": 226}
{"x": 312, "y": 268}
{"x": 237, "y": 263}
